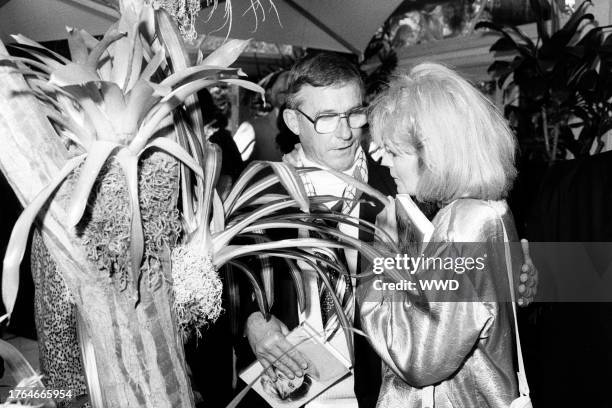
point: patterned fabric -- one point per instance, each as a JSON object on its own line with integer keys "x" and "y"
{"x": 60, "y": 355}
{"x": 359, "y": 171}
{"x": 342, "y": 287}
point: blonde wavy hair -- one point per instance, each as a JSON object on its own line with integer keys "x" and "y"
{"x": 464, "y": 145}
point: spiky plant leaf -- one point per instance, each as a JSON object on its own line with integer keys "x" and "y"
{"x": 87, "y": 96}
{"x": 21, "y": 39}
{"x": 36, "y": 64}
{"x": 73, "y": 74}
{"x": 171, "y": 38}
{"x": 212, "y": 170}
{"x": 251, "y": 86}
{"x": 129, "y": 165}
{"x": 366, "y": 250}
{"x": 18, "y": 366}
{"x": 71, "y": 129}
{"x": 153, "y": 65}
{"x": 223, "y": 239}
{"x": 164, "y": 108}
{"x": 218, "y": 220}
{"x": 175, "y": 150}
{"x": 40, "y": 53}
{"x": 134, "y": 65}
{"x": 283, "y": 173}
{"x": 227, "y": 54}
{"x": 260, "y": 295}
{"x": 96, "y": 53}
{"x": 139, "y": 100}
{"x": 187, "y": 182}
{"x": 19, "y": 236}
{"x": 230, "y": 252}
{"x": 197, "y": 72}
{"x": 77, "y": 46}
{"x": 340, "y": 218}
{"x": 115, "y": 108}
{"x": 99, "y": 153}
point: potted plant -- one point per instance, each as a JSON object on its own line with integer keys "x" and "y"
{"x": 563, "y": 80}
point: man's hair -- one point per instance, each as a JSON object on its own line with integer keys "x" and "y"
{"x": 322, "y": 69}
{"x": 463, "y": 143}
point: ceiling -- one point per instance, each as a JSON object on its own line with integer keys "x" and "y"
{"x": 338, "y": 25}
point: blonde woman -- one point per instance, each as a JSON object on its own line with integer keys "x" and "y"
{"x": 446, "y": 143}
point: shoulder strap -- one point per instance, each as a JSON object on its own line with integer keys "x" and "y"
{"x": 522, "y": 378}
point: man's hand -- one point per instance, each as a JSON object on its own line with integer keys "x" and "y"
{"x": 268, "y": 342}
{"x": 528, "y": 279}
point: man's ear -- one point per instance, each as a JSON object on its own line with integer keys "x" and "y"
{"x": 291, "y": 120}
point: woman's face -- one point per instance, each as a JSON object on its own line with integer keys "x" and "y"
{"x": 405, "y": 170}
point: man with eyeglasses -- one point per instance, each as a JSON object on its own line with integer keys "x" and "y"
{"x": 325, "y": 109}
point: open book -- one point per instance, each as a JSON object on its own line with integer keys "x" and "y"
{"x": 326, "y": 366}
{"x": 410, "y": 213}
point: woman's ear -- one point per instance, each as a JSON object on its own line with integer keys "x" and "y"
{"x": 291, "y": 120}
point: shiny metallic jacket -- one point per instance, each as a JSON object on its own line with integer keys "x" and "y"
{"x": 464, "y": 348}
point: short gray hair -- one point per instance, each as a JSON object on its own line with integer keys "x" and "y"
{"x": 319, "y": 70}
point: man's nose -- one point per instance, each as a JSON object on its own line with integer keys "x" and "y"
{"x": 344, "y": 130}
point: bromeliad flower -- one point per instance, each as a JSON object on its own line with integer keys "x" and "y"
{"x": 109, "y": 106}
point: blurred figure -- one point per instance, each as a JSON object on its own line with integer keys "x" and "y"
{"x": 272, "y": 137}
{"x": 215, "y": 124}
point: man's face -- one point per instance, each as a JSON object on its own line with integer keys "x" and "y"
{"x": 336, "y": 149}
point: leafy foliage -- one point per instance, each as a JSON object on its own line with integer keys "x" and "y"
{"x": 564, "y": 81}
{"x": 380, "y": 59}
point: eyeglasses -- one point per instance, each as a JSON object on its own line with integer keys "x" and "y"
{"x": 328, "y": 122}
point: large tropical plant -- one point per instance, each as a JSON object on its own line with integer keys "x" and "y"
{"x": 563, "y": 79}
{"x": 112, "y": 106}
{"x": 126, "y": 142}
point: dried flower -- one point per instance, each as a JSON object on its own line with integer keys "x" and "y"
{"x": 197, "y": 289}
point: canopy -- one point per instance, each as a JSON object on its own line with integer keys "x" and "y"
{"x": 338, "y": 25}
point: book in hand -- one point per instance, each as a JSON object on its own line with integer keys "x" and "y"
{"x": 326, "y": 367}
{"x": 412, "y": 215}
